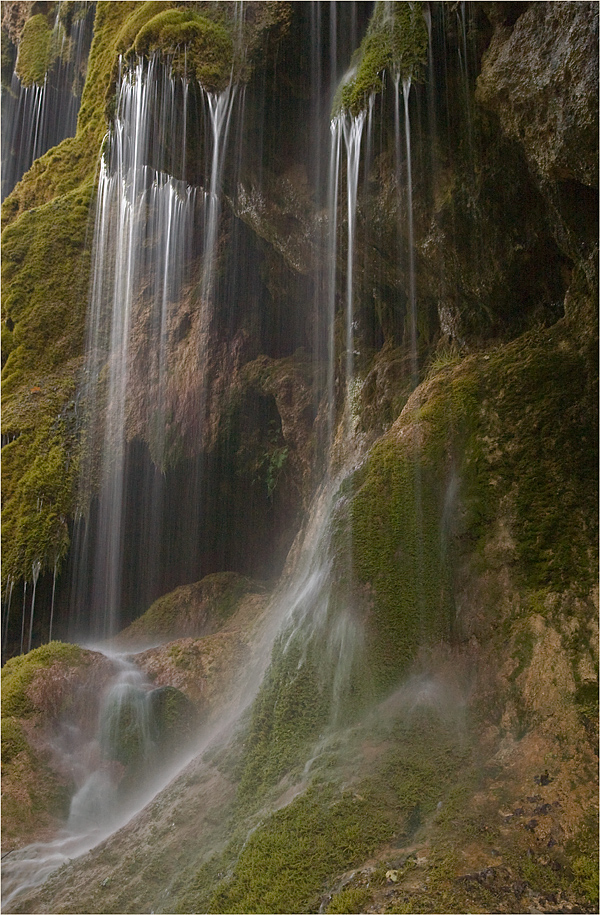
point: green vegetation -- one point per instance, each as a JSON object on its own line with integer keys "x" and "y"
{"x": 396, "y": 41}
{"x": 45, "y": 270}
{"x": 286, "y": 862}
{"x": 174, "y": 718}
{"x": 35, "y": 48}
{"x": 544, "y": 419}
{"x": 290, "y": 859}
{"x": 13, "y": 739}
{"x": 400, "y": 525}
{"x": 45, "y": 276}
{"x": 288, "y": 715}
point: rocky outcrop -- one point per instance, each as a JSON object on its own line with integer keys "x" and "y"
{"x": 541, "y": 78}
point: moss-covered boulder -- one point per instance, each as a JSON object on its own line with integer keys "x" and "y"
{"x": 209, "y": 669}
{"x": 192, "y": 610}
{"x": 41, "y": 691}
{"x": 174, "y": 719}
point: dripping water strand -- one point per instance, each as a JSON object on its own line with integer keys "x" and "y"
{"x": 8, "y": 600}
{"x": 35, "y": 570}
{"x": 352, "y": 128}
{"x": 52, "y": 600}
{"x": 220, "y": 107}
{"x": 334, "y": 171}
{"x": 23, "y": 617}
{"x": 412, "y": 292}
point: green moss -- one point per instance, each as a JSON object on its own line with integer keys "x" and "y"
{"x": 34, "y": 54}
{"x": 18, "y": 673}
{"x": 196, "y": 47}
{"x": 13, "y": 740}
{"x": 285, "y": 864}
{"x": 396, "y": 41}
{"x": 289, "y": 860}
{"x": 73, "y": 163}
{"x": 174, "y": 719}
{"x": 287, "y": 716}
{"x": 400, "y": 525}
{"x": 45, "y": 272}
{"x": 543, "y": 417}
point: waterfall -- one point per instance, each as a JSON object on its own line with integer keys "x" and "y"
{"x": 412, "y": 291}
{"x": 52, "y": 600}
{"x": 37, "y": 117}
{"x": 35, "y": 574}
{"x": 23, "y": 616}
{"x": 352, "y": 129}
{"x": 332, "y": 209}
{"x": 7, "y": 602}
{"x": 148, "y": 226}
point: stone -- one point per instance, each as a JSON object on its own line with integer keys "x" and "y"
{"x": 541, "y": 79}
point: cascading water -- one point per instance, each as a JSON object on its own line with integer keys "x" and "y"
{"x": 97, "y": 760}
{"x": 37, "y": 117}
{"x": 148, "y": 226}
{"x": 349, "y": 128}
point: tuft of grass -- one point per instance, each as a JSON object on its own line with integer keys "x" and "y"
{"x": 352, "y": 899}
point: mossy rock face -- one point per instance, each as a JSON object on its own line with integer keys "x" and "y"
{"x": 293, "y": 860}
{"x": 290, "y": 711}
{"x": 396, "y": 41}
{"x": 45, "y": 276}
{"x": 35, "y": 49}
{"x": 286, "y": 862}
{"x": 396, "y": 530}
{"x": 141, "y": 728}
{"x": 196, "y": 47}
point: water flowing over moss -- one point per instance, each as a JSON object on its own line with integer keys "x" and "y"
{"x": 396, "y": 42}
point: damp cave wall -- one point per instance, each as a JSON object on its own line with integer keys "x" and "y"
{"x": 505, "y": 215}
